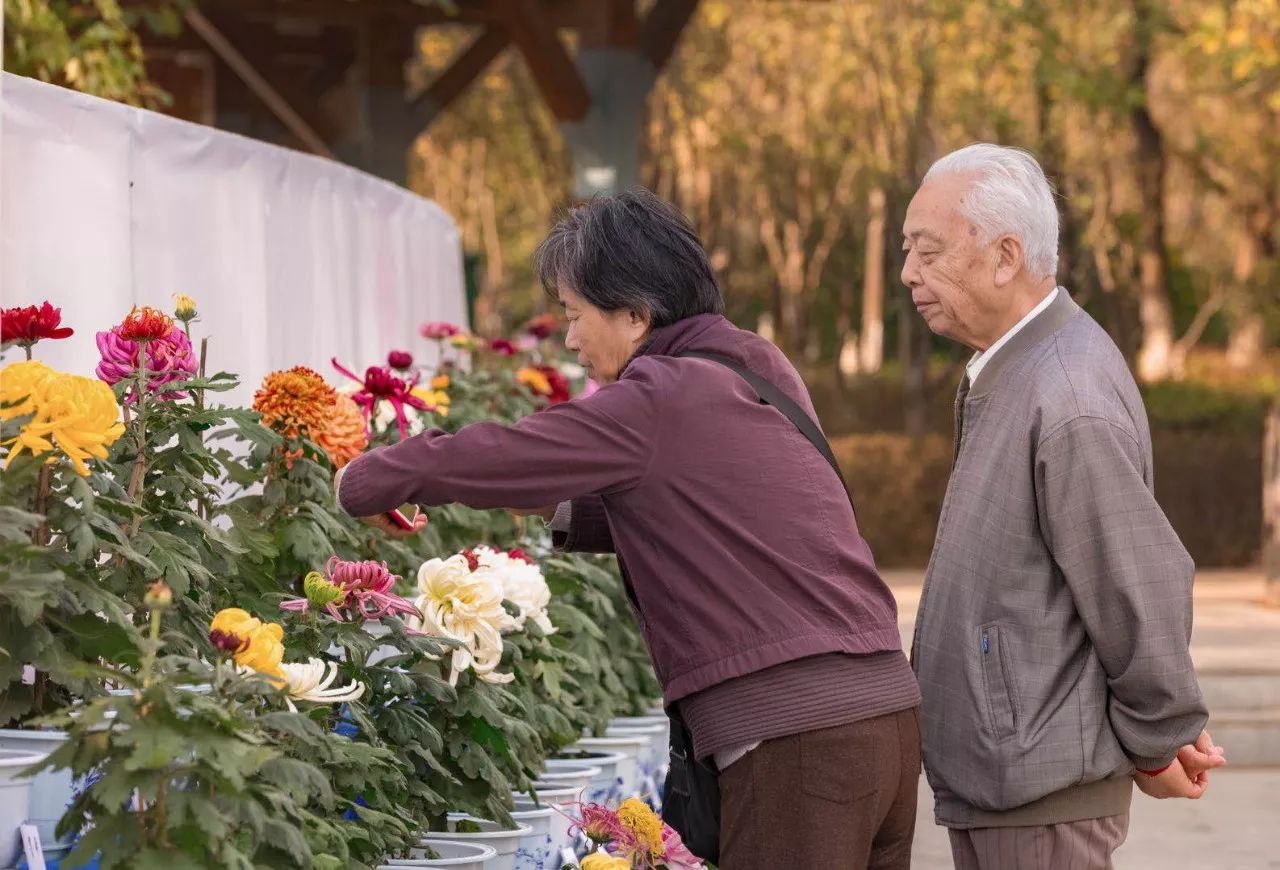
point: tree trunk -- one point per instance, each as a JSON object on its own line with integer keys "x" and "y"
{"x": 1247, "y": 339}
{"x": 1271, "y": 504}
{"x": 1154, "y": 308}
{"x": 871, "y": 341}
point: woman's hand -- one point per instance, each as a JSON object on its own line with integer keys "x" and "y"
{"x": 391, "y": 528}
{"x": 383, "y": 522}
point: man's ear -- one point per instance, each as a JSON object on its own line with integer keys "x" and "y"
{"x": 1009, "y": 259}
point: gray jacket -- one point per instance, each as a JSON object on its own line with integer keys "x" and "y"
{"x": 1051, "y": 644}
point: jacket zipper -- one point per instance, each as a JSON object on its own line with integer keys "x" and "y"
{"x": 958, "y": 410}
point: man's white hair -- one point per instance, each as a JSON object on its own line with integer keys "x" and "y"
{"x": 1010, "y": 196}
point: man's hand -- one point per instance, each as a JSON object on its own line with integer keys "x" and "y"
{"x": 1172, "y": 782}
{"x": 1201, "y": 757}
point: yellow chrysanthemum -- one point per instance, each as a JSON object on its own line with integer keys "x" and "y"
{"x": 78, "y": 415}
{"x": 534, "y": 380}
{"x": 601, "y": 861}
{"x": 437, "y": 400}
{"x": 262, "y": 646}
{"x": 184, "y": 307}
{"x": 344, "y": 436}
{"x": 644, "y": 824}
{"x": 440, "y": 382}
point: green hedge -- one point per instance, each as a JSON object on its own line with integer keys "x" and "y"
{"x": 1208, "y": 480}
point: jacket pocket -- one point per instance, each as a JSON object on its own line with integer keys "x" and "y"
{"x": 997, "y": 682}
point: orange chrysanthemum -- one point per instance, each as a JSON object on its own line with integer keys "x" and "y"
{"x": 345, "y": 437}
{"x": 297, "y": 403}
{"x": 145, "y": 324}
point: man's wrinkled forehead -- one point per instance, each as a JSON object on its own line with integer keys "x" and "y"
{"x": 936, "y": 208}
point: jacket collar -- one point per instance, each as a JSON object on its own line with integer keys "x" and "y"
{"x": 1048, "y": 322}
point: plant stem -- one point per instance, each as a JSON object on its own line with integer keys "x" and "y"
{"x": 40, "y": 537}
{"x": 149, "y": 658}
{"x": 27, "y": 348}
{"x": 140, "y": 460}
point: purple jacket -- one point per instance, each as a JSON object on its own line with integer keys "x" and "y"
{"x": 737, "y": 539}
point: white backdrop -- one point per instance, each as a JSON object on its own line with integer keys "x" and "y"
{"x": 292, "y": 259}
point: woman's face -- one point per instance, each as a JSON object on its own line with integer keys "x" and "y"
{"x": 603, "y": 340}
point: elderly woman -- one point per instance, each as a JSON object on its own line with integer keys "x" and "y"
{"x": 771, "y": 632}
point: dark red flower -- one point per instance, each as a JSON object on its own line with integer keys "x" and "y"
{"x": 473, "y": 561}
{"x": 559, "y": 384}
{"x": 520, "y": 554}
{"x": 379, "y": 383}
{"x": 145, "y": 324}
{"x": 227, "y": 641}
{"x": 543, "y": 326}
{"x": 400, "y": 360}
{"x": 502, "y": 346}
{"x": 28, "y": 325}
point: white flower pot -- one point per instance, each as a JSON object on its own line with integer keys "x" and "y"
{"x": 629, "y": 770}
{"x": 504, "y": 841}
{"x": 563, "y": 802}
{"x": 653, "y": 760}
{"x": 453, "y": 854}
{"x": 607, "y": 785}
{"x": 571, "y": 777}
{"x": 15, "y": 800}
{"x": 549, "y": 833}
{"x": 51, "y": 790}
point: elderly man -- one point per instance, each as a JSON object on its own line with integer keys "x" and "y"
{"x": 1052, "y": 638}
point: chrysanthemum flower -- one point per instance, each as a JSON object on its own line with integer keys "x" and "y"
{"x": 296, "y": 403}
{"x": 380, "y": 385}
{"x": 467, "y": 607}
{"x": 78, "y": 415}
{"x": 184, "y": 307}
{"x": 400, "y": 360}
{"x": 311, "y": 681}
{"x": 169, "y": 359}
{"x": 543, "y": 326}
{"x": 261, "y": 644}
{"x": 644, "y": 826}
{"x": 439, "y": 330}
{"x": 345, "y": 436}
{"x": 28, "y": 325}
{"x": 145, "y": 324}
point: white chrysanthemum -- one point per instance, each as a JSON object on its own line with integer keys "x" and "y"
{"x": 311, "y": 681}
{"x": 522, "y": 584}
{"x": 465, "y": 606}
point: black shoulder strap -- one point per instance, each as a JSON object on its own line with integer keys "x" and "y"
{"x": 771, "y": 394}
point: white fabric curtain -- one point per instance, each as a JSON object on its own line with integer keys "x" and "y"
{"x": 291, "y": 258}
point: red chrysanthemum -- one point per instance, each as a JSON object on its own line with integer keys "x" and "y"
{"x": 145, "y": 324}
{"x": 28, "y": 325}
{"x": 400, "y": 360}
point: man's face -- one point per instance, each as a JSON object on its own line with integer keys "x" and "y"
{"x": 952, "y": 275}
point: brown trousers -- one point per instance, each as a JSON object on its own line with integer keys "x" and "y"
{"x": 836, "y": 799}
{"x": 1084, "y": 845}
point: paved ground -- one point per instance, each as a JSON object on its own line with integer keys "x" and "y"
{"x": 1236, "y": 826}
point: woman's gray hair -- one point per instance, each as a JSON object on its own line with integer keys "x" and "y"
{"x": 1010, "y": 196}
{"x": 630, "y": 251}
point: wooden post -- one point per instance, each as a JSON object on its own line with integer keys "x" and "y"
{"x": 1271, "y": 504}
